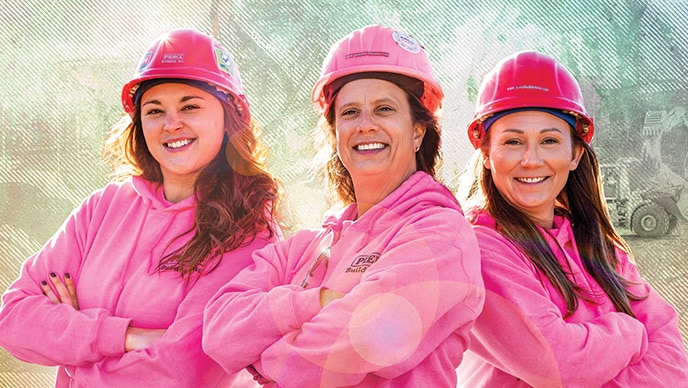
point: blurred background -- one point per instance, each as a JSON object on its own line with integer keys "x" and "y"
{"x": 63, "y": 63}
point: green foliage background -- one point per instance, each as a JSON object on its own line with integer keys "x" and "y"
{"x": 63, "y": 64}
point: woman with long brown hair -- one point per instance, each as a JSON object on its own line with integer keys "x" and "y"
{"x": 115, "y": 299}
{"x": 565, "y": 304}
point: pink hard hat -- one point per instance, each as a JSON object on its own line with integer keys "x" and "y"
{"x": 188, "y": 54}
{"x": 377, "y": 49}
{"x": 529, "y": 79}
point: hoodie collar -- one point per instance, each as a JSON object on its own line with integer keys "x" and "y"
{"x": 561, "y": 232}
{"x": 153, "y": 194}
{"x": 419, "y": 187}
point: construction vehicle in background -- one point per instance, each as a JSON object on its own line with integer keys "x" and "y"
{"x": 644, "y": 194}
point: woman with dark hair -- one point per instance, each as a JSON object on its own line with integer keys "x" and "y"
{"x": 386, "y": 292}
{"x": 565, "y": 304}
{"x": 115, "y": 298}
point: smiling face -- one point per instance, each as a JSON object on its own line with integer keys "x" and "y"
{"x": 530, "y": 155}
{"x": 376, "y": 136}
{"x": 184, "y": 128}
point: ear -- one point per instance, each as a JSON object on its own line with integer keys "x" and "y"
{"x": 418, "y": 135}
{"x": 578, "y": 152}
{"x": 486, "y": 160}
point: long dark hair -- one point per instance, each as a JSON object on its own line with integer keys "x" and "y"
{"x": 234, "y": 201}
{"x": 582, "y": 202}
{"x": 336, "y": 178}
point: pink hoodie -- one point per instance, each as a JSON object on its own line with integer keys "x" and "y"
{"x": 522, "y": 338}
{"x": 410, "y": 270}
{"x": 111, "y": 246}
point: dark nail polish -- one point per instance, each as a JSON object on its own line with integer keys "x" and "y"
{"x": 52, "y": 275}
{"x": 67, "y": 276}
{"x": 44, "y": 283}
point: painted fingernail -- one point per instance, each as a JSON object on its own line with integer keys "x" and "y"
{"x": 44, "y": 283}
{"x": 67, "y": 276}
{"x": 52, "y": 275}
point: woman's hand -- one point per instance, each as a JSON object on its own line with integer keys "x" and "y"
{"x": 257, "y": 377}
{"x": 66, "y": 292}
{"x": 137, "y": 338}
{"x": 327, "y": 296}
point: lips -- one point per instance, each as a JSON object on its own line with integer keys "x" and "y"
{"x": 531, "y": 180}
{"x": 178, "y": 143}
{"x": 370, "y": 146}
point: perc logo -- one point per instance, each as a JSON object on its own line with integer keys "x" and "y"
{"x": 362, "y": 262}
{"x": 172, "y": 58}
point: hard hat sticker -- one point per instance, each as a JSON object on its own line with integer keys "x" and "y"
{"x": 367, "y": 54}
{"x": 225, "y": 62}
{"x": 145, "y": 61}
{"x": 173, "y": 58}
{"x": 526, "y": 87}
{"x": 406, "y": 42}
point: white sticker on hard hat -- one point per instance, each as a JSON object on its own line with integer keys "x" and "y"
{"x": 225, "y": 62}
{"x": 406, "y": 42}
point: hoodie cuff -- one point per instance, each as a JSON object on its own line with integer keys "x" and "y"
{"x": 111, "y": 335}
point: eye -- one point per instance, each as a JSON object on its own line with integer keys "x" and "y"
{"x": 550, "y": 140}
{"x": 512, "y": 142}
{"x": 152, "y": 111}
{"x": 348, "y": 112}
{"x": 385, "y": 108}
{"x": 190, "y": 107}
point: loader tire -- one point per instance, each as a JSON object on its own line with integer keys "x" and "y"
{"x": 650, "y": 220}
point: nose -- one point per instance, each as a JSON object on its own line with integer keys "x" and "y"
{"x": 173, "y": 121}
{"x": 531, "y": 155}
{"x": 366, "y": 121}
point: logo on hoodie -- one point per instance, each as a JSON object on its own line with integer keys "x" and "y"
{"x": 362, "y": 262}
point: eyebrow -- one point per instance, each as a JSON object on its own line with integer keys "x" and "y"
{"x": 183, "y": 99}
{"x": 544, "y": 130}
{"x": 380, "y": 100}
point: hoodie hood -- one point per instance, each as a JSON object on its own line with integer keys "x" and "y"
{"x": 153, "y": 194}
{"x": 169, "y": 219}
{"x": 419, "y": 191}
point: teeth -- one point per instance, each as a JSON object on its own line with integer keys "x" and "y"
{"x": 179, "y": 143}
{"x": 531, "y": 180}
{"x": 370, "y": 146}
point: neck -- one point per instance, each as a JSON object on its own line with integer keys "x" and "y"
{"x": 371, "y": 190}
{"x": 546, "y": 222}
{"x": 177, "y": 191}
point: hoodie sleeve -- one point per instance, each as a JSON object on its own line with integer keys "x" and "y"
{"x": 424, "y": 293}
{"x": 176, "y": 359}
{"x": 665, "y": 362}
{"x": 67, "y": 336}
{"x": 259, "y": 300}
{"x": 522, "y": 332}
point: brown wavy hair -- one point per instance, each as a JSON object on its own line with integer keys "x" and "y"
{"x": 336, "y": 178}
{"x": 236, "y": 196}
{"x": 582, "y": 202}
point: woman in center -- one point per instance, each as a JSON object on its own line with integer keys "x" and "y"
{"x": 387, "y": 291}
